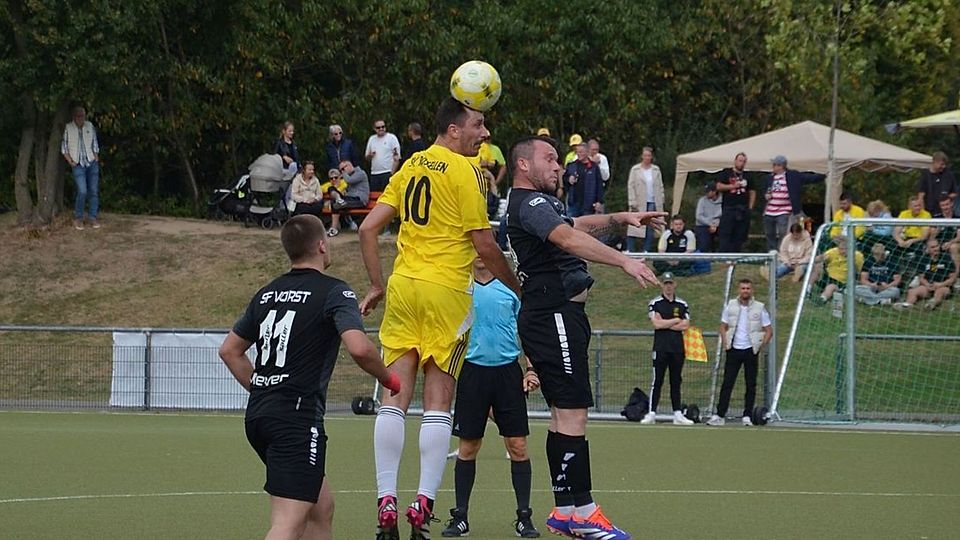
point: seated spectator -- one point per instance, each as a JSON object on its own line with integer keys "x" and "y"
{"x": 936, "y": 279}
{"x": 879, "y": 279}
{"x": 708, "y": 217}
{"x": 335, "y": 187}
{"x": 355, "y": 194}
{"x": 910, "y": 238}
{"x": 341, "y": 148}
{"x": 287, "y": 150}
{"x": 878, "y": 233}
{"x": 948, "y": 236}
{"x": 305, "y": 192}
{"x": 847, "y": 210}
{"x": 795, "y": 252}
{"x": 835, "y": 260}
{"x": 678, "y": 240}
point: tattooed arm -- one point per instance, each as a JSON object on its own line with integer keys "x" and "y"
{"x": 600, "y": 224}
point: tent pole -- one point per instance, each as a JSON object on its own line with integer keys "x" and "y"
{"x": 831, "y": 172}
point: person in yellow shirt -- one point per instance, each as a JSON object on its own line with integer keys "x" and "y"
{"x": 835, "y": 260}
{"x": 439, "y": 198}
{"x": 911, "y": 238}
{"x": 575, "y": 140}
{"x": 847, "y": 210}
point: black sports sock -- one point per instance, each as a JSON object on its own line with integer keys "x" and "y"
{"x": 574, "y": 455}
{"x": 558, "y": 479}
{"x": 521, "y": 473}
{"x": 464, "y": 474}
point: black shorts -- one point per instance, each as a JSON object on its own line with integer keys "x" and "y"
{"x": 557, "y": 342}
{"x": 294, "y": 452}
{"x": 480, "y": 388}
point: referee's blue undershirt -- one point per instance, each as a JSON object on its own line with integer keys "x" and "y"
{"x": 493, "y": 338}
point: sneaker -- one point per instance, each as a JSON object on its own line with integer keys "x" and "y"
{"x": 649, "y": 418}
{"x": 680, "y": 420}
{"x": 716, "y": 421}
{"x": 746, "y": 421}
{"x": 930, "y": 305}
{"x": 387, "y": 519}
{"x": 78, "y": 224}
{"x": 331, "y": 232}
{"x": 419, "y": 515}
{"x": 95, "y": 224}
{"x": 886, "y": 301}
{"x": 559, "y": 524}
{"x": 457, "y": 526}
{"x": 352, "y": 224}
{"x": 597, "y": 526}
{"x": 523, "y": 526}
{"x": 820, "y": 300}
{"x": 902, "y": 305}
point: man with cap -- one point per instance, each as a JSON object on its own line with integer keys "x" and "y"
{"x": 709, "y": 210}
{"x": 543, "y": 132}
{"x": 575, "y": 140}
{"x": 670, "y": 316}
{"x": 784, "y": 190}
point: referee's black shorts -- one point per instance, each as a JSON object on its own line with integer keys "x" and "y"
{"x": 480, "y": 388}
{"x": 294, "y": 452}
{"x": 557, "y": 342}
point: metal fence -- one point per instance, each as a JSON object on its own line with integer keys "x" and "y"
{"x": 50, "y": 367}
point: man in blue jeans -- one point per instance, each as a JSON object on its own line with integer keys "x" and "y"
{"x": 82, "y": 151}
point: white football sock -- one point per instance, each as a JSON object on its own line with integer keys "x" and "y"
{"x": 388, "y": 431}
{"x": 435, "y": 433}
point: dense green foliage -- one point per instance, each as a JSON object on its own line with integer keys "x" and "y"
{"x": 186, "y": 93}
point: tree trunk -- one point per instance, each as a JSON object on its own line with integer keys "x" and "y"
{"x": 191, "y": 177}
{"x": 156, "y": 172}
{"x": 52, "y": 167}
{"x": 22, "y": 175}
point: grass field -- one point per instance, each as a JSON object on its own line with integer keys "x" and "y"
{"x": 119, "y": 476}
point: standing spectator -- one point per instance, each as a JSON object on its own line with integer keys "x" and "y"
{"x": 670, "y": 316}
{"x": 575, "y": 141}
{"x": 795, "y": 252}
{"x": 356, "y": 195}
{"x": 911, "y": 238}
{"x": 81, "y": 149}
{"x": 296, "y": 357}
{"x": 835, "y": 260}
{"x": 784, "y": 194}
{"x": 879, "y": 280}
{"x": 936, "y": 181}
{"x": 847, "y": 210}
{"x": 306, "y": 193}
{"x": 644, "y": 192}
{"x": 414, "y": 144}
{"x": 341, "y": 148}
{"x": 878, "y": 233}
{"x": 709, "y": 209}
{"x": 553, "y": 324}
{"x": 936, "y": 280}
{"x": 583, "y": 185}
{"x": 739, "y": 197}
{"x": 745, "y": 330}
{"x": 678, "y": 240}
{"x": 287, "y": 150}
{"x": 492, "y": 380}
{"x": 947, "y": 236}
{"x": 383, "y": 151}
{"x": 593, "y": 147}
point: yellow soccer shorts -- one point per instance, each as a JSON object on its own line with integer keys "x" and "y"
{"x": 431, "y": 319}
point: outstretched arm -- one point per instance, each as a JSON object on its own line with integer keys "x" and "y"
{"x": 587, "y": 247}
{"x": 601, "y": 224}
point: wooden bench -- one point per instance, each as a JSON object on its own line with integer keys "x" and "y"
{"x": 374, "y": 195}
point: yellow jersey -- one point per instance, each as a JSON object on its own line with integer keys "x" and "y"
{"x": 914, "y": 231}
{"x": 440, "y": 198}
{"x": 855, "y": 212}
{"x": 340, "y": 186}
{"x": 837, "y": 264}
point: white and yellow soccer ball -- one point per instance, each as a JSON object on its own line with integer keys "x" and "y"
{"x": 476, "y": 84}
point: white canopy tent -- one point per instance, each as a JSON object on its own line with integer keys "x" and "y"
{"x": 805, "y": 146}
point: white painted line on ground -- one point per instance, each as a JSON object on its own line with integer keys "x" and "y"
{"x": 600, "y": 491}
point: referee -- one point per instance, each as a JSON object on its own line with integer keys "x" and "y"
{"x": 553, "y": 325}
{"x": 670, "y": 316}
{"x": 296, "y": 323}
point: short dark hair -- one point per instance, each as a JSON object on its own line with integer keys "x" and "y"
{"x": 299, "y": 234}
{"x": 846, "y": 196}
{"x": 796, "y": 227}
{"x": 944, "y": 197}
{"x": 524, "y": 149}
{"x": 676, "y": 217}
{"x": 747, "y": 281}
{"x": 451, "y": 111}
{"x": 939, "y": 157}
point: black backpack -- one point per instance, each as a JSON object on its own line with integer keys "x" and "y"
{"x": 636, "y": 406}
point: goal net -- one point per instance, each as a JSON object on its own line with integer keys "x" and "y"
{"x": 887, "y": 349}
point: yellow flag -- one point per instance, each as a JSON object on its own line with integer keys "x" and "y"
{"x": 693, "y": 345}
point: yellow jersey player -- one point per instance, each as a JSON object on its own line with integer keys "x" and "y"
{"x": 439, "y": 198}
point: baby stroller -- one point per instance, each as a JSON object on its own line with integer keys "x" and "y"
{"x": 268, "y": 192}
{"x": 231, "y": 203}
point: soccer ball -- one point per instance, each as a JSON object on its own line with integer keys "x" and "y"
{"x": 476, "y": 84}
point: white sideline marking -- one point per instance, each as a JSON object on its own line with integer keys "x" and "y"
{"x": 605, "y": 491}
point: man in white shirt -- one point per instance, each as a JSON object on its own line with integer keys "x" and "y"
{"x": 593, "y": 150}
{"x": 745, "y": 329}
{"x": 383, "y": 152}
{"x": 81, "y": 149}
